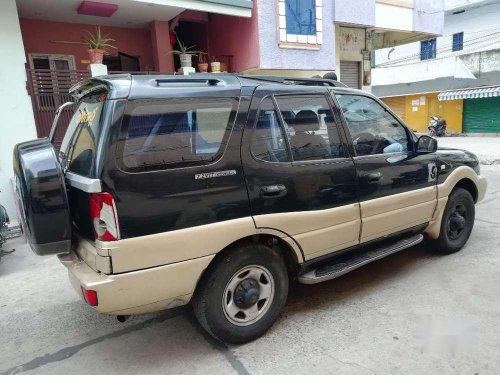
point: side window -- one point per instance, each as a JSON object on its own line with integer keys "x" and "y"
{"x": 268, "y": 140}
{"x": 312, "y": 132}
{"x": 373, "y": 129}
{"x": 166, "y": 134}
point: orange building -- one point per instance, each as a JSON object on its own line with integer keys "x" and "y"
{"x": 416, "y": 110}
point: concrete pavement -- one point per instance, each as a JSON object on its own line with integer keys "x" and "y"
{"x": 411, "y": 313}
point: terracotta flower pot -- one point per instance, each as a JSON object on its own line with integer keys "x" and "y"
{"x": 96, "y": 55}
{"x": 203, "y": 68}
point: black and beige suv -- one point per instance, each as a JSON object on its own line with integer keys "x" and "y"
{"x": 216, "y": 190}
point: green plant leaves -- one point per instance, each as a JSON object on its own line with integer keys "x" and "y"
{"x": 97, "y": 40}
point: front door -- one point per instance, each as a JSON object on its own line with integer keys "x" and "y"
{"x": 300, "y": 180}
{"x": 397, "y": 187}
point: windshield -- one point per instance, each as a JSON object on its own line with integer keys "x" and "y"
{"x": 79, "y": 144}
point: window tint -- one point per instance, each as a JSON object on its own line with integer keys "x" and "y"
{"x": 373, "y": 129}
{"x": 268, "y": 140}
{"x": 300, "y": 17}
{"x": 80, "y": 141}
{"x": 175, "y": 133}
{"x": 312, "y": 132}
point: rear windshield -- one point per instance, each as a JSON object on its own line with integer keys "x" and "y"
{"x": 79, "y": 144}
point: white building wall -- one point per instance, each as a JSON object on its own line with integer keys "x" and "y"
{"x": 481, "y": 28}
{"x": 17, "y": 114}
{"x": 480, "y": 25}
{"x": 393, "y": 17}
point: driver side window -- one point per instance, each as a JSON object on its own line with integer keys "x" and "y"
{"x": 373, "y": 129}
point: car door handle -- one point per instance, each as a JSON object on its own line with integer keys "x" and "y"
{"x": 374, "y": 177}
{"x": 273, "y": 191}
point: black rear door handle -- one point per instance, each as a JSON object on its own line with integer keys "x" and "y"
{"x": 374, "y": 177}
{"x": 273, "y": 191}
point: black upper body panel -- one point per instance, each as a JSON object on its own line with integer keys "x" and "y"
{"x": 452, "y": 159}
{"x": 154, "y": 201}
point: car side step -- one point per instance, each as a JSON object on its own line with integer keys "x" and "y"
{"x": 346, "y": 264}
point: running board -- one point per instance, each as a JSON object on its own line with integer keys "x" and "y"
{"x": 341, "y": 267}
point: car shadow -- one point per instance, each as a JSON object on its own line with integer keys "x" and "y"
{"x": 360, "y": 281}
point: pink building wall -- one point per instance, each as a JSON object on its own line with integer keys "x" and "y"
{"x": 237, "y": 36}
{"x": 38, "y": 36}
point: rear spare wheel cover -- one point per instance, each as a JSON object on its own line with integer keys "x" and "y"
{"x": 43, "y": 200}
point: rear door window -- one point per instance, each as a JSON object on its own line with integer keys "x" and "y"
{"x": 268, "y": 140}
{"x": 175, "y": 133}
{"x": 312, "y": 130}
{"x": 78, "y": 147}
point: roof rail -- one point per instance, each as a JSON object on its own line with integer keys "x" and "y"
{"x": 296, "y": 81}
{"x": 188, "y": 81}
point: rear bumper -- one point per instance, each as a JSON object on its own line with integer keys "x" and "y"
{"x": 140, "y": 291}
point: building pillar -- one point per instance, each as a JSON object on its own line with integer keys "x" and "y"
{"x": 18, "y": 123}
{"x": 160, "y": 40}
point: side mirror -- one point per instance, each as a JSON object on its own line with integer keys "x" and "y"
{"x": 426, "y": 145}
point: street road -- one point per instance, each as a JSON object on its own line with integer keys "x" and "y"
{"x": 411, "y": 313}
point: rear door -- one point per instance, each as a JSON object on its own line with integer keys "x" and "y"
{"x": 397, "y": 186}
{"x": 300, "y": 180}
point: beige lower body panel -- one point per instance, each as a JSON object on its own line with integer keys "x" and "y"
{"x": 95, "y": 257}
{"x": 394, "y": 221}
{"x": 481, "y": 185}
{"x": 178, "y": 245}
{"x": 391, "y": 214}
{"x": 140, "y": 291}
{"x": 458, "y": 174}
{"x": 317, "y": 232}
{"x": 444, "y": 190}
{"x": 433, "y": 229}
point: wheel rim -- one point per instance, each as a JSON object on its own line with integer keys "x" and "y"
{"x": 457, "y": 222}
{"x": 248, "y": 295}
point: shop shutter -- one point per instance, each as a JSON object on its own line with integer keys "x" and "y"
{"x": 349, "y": 74}
{"x": 398, "y": 105}
{"x": 481, "y": 115}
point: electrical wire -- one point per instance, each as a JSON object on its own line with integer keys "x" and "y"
{"x": 448, "y": 48}
{"x": 441, "y": 49}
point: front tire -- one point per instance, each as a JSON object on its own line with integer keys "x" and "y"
{"x": 432, "y": 133}
{"x": 457, "y": 222}
{"x": 242, "y": 293}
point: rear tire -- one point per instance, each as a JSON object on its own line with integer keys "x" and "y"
{"x": 457, "y": 222}
{"x": 242, "y": 293}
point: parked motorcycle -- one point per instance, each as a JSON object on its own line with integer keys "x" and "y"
{"x": 437, "y": 127}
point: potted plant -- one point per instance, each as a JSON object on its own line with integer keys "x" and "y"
{"x": 185, "y": 54}
{"x": 98, "y": 45}
{"x": 215, "y": 65}
{"x": 202, "y": 63}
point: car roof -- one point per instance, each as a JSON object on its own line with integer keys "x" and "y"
{"x": 121, "y": 86}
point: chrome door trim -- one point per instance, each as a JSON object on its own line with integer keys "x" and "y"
{"x": 87, "y": 184}
{"x": 56, "y": 120}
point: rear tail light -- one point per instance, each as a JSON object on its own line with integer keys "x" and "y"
{"x": 90, "y": 296}
{"x": 104, "y": 218}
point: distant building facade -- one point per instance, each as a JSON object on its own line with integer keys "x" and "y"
{"x": 456, "y": 76}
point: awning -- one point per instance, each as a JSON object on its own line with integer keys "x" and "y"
{"x": 476, "y": 93}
